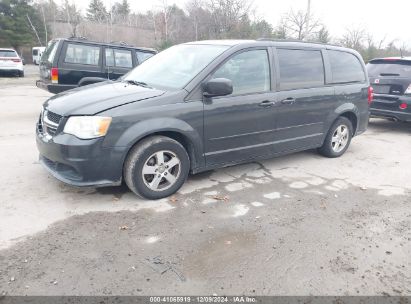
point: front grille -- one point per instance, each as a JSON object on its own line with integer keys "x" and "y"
{"x": 53, "y": 117}
{"x": 50, "y": 130}
{"x": 49, "y": 122}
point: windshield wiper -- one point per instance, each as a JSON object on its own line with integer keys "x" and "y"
{"x": 138, "y": 83}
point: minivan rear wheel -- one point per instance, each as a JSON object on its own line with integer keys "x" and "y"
{"x": 156, "y": 167}
{"x": 338, "y": 138}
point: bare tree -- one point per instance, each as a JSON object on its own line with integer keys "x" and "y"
{"x": 354, "y": 38}
{"x": 301, "y": 24}
{"x": 227, "y": 15}
{"x": 73, "y": 16}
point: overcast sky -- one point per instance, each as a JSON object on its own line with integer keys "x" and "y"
{"x": 381, "y": 18}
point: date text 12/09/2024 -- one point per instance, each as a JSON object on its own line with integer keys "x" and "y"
{"x": 203, "y": 299}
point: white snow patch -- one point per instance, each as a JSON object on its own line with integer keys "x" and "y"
{"x": 257, "y": 204}
{"x": 152, "y": 239}
{"x": 298, "y": 185}
{"x": 240, "y": 210}
{"x": 273, "y": 195}
{"x": 237, "y": 186}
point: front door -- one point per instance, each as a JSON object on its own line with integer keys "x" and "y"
{"x": 117, "y": 62}
{"x": 241, "y": 125}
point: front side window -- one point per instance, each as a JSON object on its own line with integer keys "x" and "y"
{"x": 82, "y": 54}
{"x": 300, "y": 69}
{"x": 122, "y": 59}
{"x": 249, "y": 72}
{"x": 345, "y": 67}
{"x": 118, "y": 58}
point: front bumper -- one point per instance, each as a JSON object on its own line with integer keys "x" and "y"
{"x": 80, "y": 162}
{"x": 54, "y": 88}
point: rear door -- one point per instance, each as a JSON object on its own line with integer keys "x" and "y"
{"x": 79, "y": 60}
{"x": 304, "y": 101}
{"x": 241, "y": 126}
{"x": 118, "y": 61}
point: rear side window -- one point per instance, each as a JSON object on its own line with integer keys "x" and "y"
{"x": 384, "y": 67}
{"x": 82, "y": 54}
{"x": 119, "y": 58}
{"x": 143, "y": 56}
{"x": 8, "y": 53}
{"x": 249, "y": 71}
{"x": 300, "y": 69}
{"x": 345, "y": 67}
{"x": 35, "y": 52}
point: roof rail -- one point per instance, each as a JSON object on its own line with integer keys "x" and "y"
{"x": 120, "y": 43}
{"x": 77, "y": 38}
{"x": 279, "y": 40}
{"x": 296, "y": 40}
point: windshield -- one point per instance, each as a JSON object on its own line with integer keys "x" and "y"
{"x": 386, "y": 68}
{"x": 50, "y": 51}
{"x": 173, "y": 68}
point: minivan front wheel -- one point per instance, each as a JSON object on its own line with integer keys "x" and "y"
{"x": 338, "y": 138}
{"x": 156, "y": 167}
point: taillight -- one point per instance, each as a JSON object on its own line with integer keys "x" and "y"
{"x": 403, "y": 106}
{"x": 54, "y": 75}
{"x": 16, "y": 60}
{"x": 370, "y": 94}
{"x": 408, "y": 90}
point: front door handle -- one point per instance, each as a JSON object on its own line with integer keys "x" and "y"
{"x": 288, "y": 100}
{"x": 267, "y": 103}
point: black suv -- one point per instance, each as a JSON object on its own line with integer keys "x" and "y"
{"x": 204, "y": 105}
{"x": 69, "y": 63}
{"x": 391, "y": 81}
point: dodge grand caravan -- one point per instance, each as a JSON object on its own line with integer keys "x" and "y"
{"x": 203, "y": 105}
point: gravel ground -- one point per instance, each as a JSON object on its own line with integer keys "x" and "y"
{"x": 297, "y": 224}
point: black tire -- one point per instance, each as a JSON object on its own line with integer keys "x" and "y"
{"x": 142, "y": 153}
{"x": 21, "y": 73}
{"x": 328, "y": 148}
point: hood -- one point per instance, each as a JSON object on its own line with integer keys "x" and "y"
{"x": 92, "y": 99}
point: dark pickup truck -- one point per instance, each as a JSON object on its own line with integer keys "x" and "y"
{"x": 73, "y": 62}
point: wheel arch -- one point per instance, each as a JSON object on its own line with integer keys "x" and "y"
{"x": 172, "y": 128}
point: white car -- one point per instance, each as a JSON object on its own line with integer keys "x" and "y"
{"x": 11, "y": 62}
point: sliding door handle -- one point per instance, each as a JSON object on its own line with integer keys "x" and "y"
{"x": 288, "y": 100}
{"x": 267, "y": 103}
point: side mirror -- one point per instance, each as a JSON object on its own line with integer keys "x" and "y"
{"x": 218, "y": 87}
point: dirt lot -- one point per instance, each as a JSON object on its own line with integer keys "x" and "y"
{"x": 300, "y": 224}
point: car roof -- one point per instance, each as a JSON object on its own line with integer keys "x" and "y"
{"x": 116, "y": 44}
{"x": 391, "y": 59}
{"x": 273, "y": 42}
{"x": 5, "y": 49}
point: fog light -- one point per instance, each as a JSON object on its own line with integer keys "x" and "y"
{"x": 403, "y": 106}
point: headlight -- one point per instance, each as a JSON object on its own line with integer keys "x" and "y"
{"x": 87, "y": 127}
